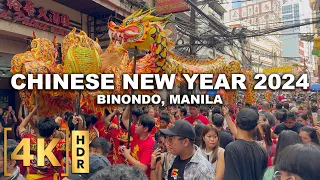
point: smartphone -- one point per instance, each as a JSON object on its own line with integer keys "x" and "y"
{"x": 156, "y": 146}
{"x": 315, "y": 118}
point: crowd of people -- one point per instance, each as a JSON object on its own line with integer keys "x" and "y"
{"x": 278, "y": 140}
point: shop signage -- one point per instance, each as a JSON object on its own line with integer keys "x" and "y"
{"x": 25, "y": 12}
{"x": 278, "y": 70}
{"x": 171, "y": 6}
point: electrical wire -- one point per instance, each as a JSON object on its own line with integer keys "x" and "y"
{"x": 232, "y": 2}
{"x": 184, "y": 24}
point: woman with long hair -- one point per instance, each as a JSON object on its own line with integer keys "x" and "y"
{"x": 303, "y": 118}
{"x": 286, "y": 138}
{"x": 264, "y": 138}
{"x": 308, "y": 135}
{"x": 297, "y": 162}
{"x": 211, "y": 150}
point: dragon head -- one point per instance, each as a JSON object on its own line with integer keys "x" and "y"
{"x": 140, "y": 30}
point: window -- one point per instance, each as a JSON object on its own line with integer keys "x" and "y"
{"x": 286, "y": 9}
{"x": 287, "y": 17}
{"x": 317, "y": 14}
{"x": 296, "y": 12}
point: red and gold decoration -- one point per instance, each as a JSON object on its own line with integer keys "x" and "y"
{"x": 250, "y": 94}
{"x": 80, "y": 54}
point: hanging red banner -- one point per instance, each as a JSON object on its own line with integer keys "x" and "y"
{"x": 171, "y": 6}
{"x": 26, "y": 13}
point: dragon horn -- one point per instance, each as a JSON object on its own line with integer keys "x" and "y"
{"x": 156, "y": 19}
{"x": 136, "y": 13}
{"x": 152, "y": 9}
{"x": 139, "y": 12}
{"x": 167, "y": 16}
{"x": 97, "y": 40}
{"x": 34, "y": 35}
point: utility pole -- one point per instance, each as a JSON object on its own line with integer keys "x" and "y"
{"x": 193, "y": 21}
{"x": 245, "y": 61}
{"x": 245, "y": 48}
{"x": 260, "y": 64}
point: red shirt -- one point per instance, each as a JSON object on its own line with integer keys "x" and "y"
{"x": 271, "y": 153}
{"x": 102, "y": 129}
{"x": 200, "y": 117}
{"x": 117, "y": 137}
{"x": 141, "y": 150}
{"x": 156, "y": 127}
{"x": 300, "y": 111}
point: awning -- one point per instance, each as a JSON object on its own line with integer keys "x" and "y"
{"x": 87, "y": 7}
{"x": 315, "y": 87}
{"x": 212, "y": 92}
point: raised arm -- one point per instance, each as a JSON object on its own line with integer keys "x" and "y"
{"x": 108, "y": 119}
{"x": 231, "y": 125}
{"x": 14, "y": 116}
{"x": 126, "y": 117}
{"x": 25, "y": 122}
{"x": 20, "y": 111}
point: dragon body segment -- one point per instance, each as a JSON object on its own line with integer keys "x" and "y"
{"x": 41, "y": 59}
{"x": 80, "y": 54}
{"x": 147, "y": 32}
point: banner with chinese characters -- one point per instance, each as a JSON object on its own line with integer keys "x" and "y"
{"x": 25, "y": 12}
{"x": 171, "y": 6}
{"x": 278, "y": 70}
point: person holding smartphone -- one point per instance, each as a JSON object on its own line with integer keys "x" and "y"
{"x": 10, "y": 120}
{"x": 141, "y": 148}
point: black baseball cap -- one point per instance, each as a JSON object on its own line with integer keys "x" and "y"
{"x": 248, "y": 113}
{"x": 180, "y": 128}
{"x": 247, "y": 119}
{"x": 96, "y": 163}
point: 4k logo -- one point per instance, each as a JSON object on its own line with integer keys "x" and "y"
{"x": 80, "y": 152}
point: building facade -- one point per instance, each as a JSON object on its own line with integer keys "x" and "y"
{"x": 315, "y": 7}
{"x": 291, "y": 15}
{"x": 18, "y": 20}
{"x": 294, "y": 47}
{"x": 265, "y": 50}
{"x": 49, "y": 18}
{"x": 214, "y": 10}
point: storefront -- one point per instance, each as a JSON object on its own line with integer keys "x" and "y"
{"x": 47, "y": 18}
{"x": 18, "y": 20}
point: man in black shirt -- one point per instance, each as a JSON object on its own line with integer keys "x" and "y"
{"x": 225, "y": 136}
{"x": 289, "y": 124}
{"x": 189, "y": 163}
{"x": 244, "y": 158}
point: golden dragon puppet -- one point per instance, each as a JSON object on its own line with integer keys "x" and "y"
{"x": 80, "y": 54}
{"x": 147, "y": 32}
{"x": 41, "y": 59}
